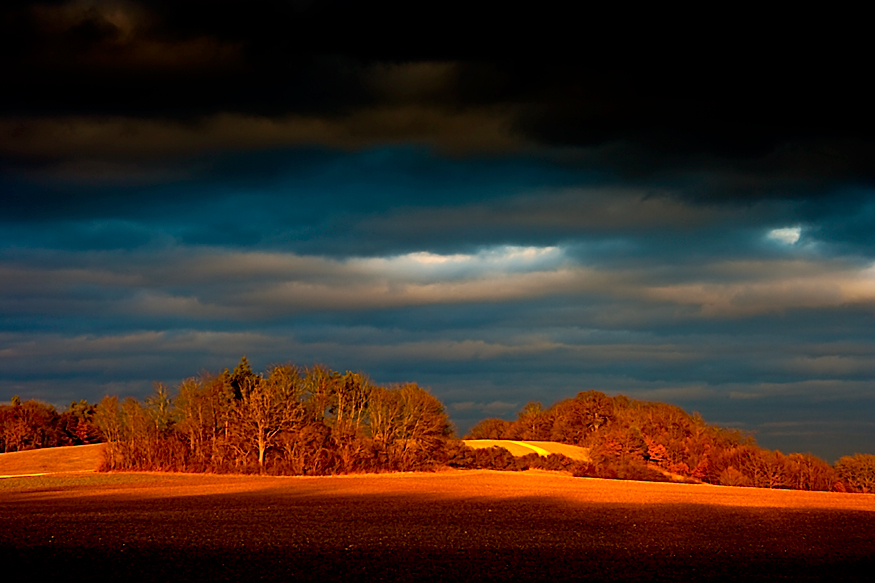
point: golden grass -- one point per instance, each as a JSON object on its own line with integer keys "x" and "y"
{"x": 53, "y": 460}
{"x": 521, "y": 448}
{"x": 467, "y": 484}
{"x": 59, "y": 472}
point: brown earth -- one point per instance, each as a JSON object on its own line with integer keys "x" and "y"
{"x": 452, "y": 526}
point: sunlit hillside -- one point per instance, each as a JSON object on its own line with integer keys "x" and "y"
{"x": 53, "y": 460}
{"x": 542, "y": 448}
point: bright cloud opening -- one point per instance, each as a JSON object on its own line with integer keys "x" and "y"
{"x": 504, "y": 258}
{"x": 787, "y": 235}
{"x": 427, "y": 258}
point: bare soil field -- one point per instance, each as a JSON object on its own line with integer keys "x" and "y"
{"x": 451, "y": 526}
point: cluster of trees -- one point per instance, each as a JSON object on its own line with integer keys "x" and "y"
{"x": 857, "y": 472}
{"x": 293, "y": 420}
{"x": 32, "y": 424}
{"x": 289, "y": 420}
{"x": 643, "y": 440}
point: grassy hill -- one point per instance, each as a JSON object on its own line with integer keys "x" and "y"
{"x": 543, "y": 448}
{"x": 53, "y": 460}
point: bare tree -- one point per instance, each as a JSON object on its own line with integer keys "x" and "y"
{"x": 409, "y": 425}
{"x": 857, "y": 471}
{"x": 267, "y": 407}
{"x": 107, "y": 417}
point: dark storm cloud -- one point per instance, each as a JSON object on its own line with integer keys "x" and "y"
{"x": 294, "y": 73}
{"x": 402, "y": 199}
{"x": 673, "y": 215}
{"x": 166, "y": 59}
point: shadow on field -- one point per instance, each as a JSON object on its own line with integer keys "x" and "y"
{"x": 279, "y": 536}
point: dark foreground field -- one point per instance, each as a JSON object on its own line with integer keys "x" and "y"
{"x": 417, "y": 527}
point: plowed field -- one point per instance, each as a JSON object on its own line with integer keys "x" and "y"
{"x": 451, "y": 526}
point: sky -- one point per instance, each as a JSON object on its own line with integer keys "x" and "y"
{"x": 675, "y": 215}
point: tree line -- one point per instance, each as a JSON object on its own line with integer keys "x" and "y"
{"x": 295, "y": 420}
{"x": 634, "y": 439}
{"x": 32, "y": 424}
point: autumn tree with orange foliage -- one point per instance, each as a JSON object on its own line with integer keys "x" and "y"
{"x": 32, "y": 424}
{"x": 857, "y": 472}
{"x": 288, "y": 420}
{"x": 643, "y": 440}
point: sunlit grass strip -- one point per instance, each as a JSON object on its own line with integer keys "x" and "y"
{"x": 534, "y": 448}
{"x": 43, "y": 474}
{"x": 53, "y": 482}
{"x": 542, "y": 448}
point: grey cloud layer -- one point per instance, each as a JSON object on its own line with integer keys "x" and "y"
{"x": 215, "y": 284}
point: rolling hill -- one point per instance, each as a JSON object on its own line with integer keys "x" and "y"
{"x": 52, "y": 460}
{"x": 542, "y": 448}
